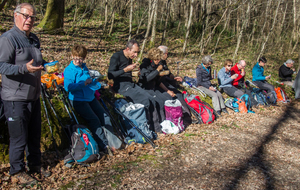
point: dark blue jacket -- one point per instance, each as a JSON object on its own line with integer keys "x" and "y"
{"x": 203, "y": 76}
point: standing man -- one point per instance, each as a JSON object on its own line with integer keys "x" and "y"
{"x": 120, "y": 70}
{"x": 21, "y": 63}
{"x": 286, "y": 72}
{"x": 239, "y": 82}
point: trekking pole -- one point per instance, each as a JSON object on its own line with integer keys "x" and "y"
{"x": 54, "y": 112}
{"x": 119, "y": 130}
{"x": 49, "y": 123}
{"x": 252, "y": 83}
{"x": 201, "y": 92}
{"x": 131, "y": 123}
{"x": 178, "y": 67}
{"x": 65, "y": 103}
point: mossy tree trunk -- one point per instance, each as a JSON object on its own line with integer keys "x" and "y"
{"x": 53, "y": 20}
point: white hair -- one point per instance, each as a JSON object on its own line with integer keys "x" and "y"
{"x": 206, "y": 59}
{"x": 164, "y": 49}
{"x": 22, "y": 5}
{"x": 289, "y": 61}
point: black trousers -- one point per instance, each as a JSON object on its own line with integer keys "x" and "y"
{"x": 138, "y": 95}
{"x": 24, "y": 126}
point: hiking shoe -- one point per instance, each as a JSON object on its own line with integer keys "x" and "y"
{"x": 225, "y": 111}
{"x": 219, "y": 113}
{"x": 24, "y": 178}
{"x": 108, "y": 151}
{"x": 39, "y": 170}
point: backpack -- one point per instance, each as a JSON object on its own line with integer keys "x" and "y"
{"x": 230, "y": 103}
{"x": 84, "y": 148}
{"x": 190, "y": 81}
{"x": 259, "y": 96}
{"x": 281, "y": 95}
{"x": 271, "y": 97}
{"x": 137, "y": 115}
{"x": 206, "y": 113}
{"x": 173, "y": 111}
{"x": 242, "y": 104}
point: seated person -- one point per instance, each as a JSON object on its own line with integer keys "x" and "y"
{"x": 239, "y": 82}
{"x": 203, "y": 73}
{"x": 258, "y": 77}
{"x": 120, "y": 71}
{"x": 76, "y": 83}
{"x": 286, "y": 71}
{"x": 225, "y": 79}
{"x": 151, "y": 81}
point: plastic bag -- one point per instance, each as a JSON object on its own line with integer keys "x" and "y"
{"x": 169, "y": 127}
{"x": 48, "y": 78}
{"x": 51, "y": 67}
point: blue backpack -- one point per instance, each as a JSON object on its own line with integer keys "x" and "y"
{"x": 232, "y": 103}
{"x": 84, "y": 148}
{"x": 136, "y": 114}
{"x": 259, "y": 96}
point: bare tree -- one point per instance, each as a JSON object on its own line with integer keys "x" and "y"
{"x": 148, "y": 29}
{"x": 270, "y": 31}
{"x": 130, "y": 19}
{"x": 166, "y": 22}
{"x": 188, "y": 26}
{"x": 152, "y": 41}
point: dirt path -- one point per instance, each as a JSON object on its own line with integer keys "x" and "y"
{"x": 239, "y": 151}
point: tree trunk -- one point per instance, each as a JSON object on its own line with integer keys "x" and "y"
{"x": 112, "y": 22}
{"x": 53, "y": 21}
{"x": 130, "y": 19}
{"x": 241, "y": 32}
{"x": 266, "y": 18}
{"x": 3, "y": 4}
{"x": 274, "y": 21}
{"x": 166, "y": 22}
{"x": 105, "y": 16}
{"x": 152, "y": 41}
{"x": 148, "y": 29}
{"x": 188, "y": 26}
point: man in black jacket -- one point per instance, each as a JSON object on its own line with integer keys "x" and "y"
{"x": 120, "y": 70}
{"x": 21, "y": 63}
{"x": 286, "y": 71}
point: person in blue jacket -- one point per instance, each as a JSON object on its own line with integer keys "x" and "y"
{"x": 258, "y": 77}
{"x": 77, "y": 82}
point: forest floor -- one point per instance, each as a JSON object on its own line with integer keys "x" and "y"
{"x": 238, "y": 151}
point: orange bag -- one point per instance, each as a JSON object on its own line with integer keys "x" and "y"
{"x": 242, "y": 106}
{"x": 281, "y": 95}
{"x": 48, "y": 78}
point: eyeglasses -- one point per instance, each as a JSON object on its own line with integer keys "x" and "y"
{"x": 26, "y": 16}
{"x": 78, "y": 59}
{"x": 229, "y": 65}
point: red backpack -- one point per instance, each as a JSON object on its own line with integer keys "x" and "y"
{"x": 206, "y": 113}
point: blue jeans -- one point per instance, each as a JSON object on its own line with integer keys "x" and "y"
{"x": 96, "y": 117}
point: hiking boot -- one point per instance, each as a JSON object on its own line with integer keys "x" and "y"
{"x": 39, "y": 170}
{"x": 225, "y": 111}
{"x": 108, "y": 151}
{"x": 24, "y": 178}
{"x": 219, "y": 113}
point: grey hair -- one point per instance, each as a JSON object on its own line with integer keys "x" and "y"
{"x": 290, "y": 61}
{"x": 163, "y": 48}
{"x": 130, "y": 43}
{"x": 22, "y": 5}
{"x": 206, "y": 59}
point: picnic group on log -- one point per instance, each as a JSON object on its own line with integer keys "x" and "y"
{"x": 152, "y": 104}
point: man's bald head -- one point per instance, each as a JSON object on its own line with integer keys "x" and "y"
{"x": 242, "y": 64}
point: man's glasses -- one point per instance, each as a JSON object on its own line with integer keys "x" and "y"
{"x": 26, "y": 16}
{"x": 229, "y": 65}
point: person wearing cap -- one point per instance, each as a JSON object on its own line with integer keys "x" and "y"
{"x": 77, "y": 83}
{"x": 286, "y": 72}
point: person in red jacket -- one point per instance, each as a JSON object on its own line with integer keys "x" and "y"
{"x": 239, "y": 82}
{"x": 239, "y": 68}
